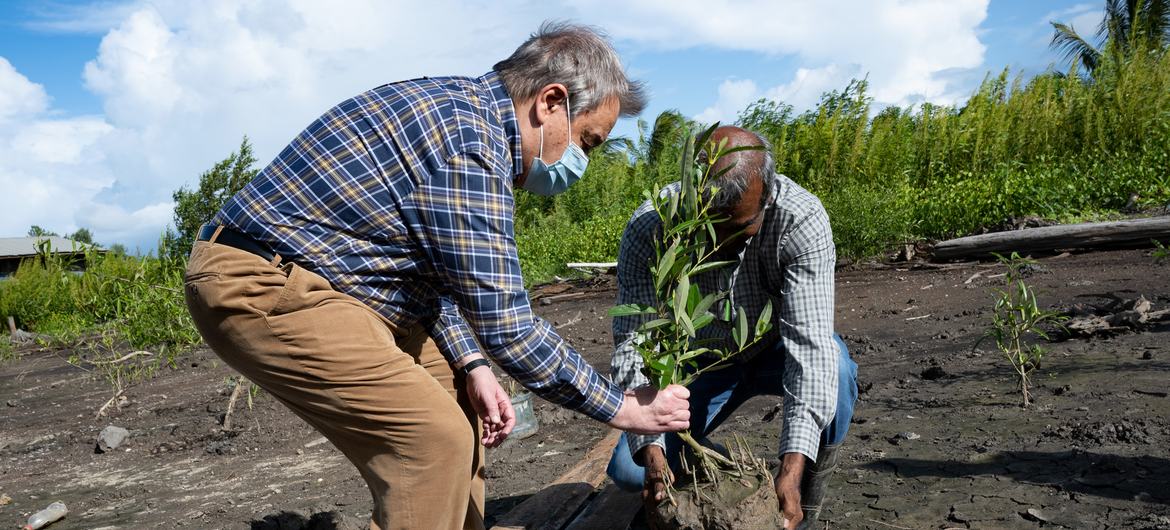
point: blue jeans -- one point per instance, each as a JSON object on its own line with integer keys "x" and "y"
{"x": 716, "y": 394}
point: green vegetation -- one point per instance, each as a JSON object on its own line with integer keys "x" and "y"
{"x": 195, "y": 208}
{"x": 82, "y": 235}
{"x": 120, "y": 302}
{"x": 140, "y": 299}
{"x": 1057, "y": 146}
{"x": 668, "y": 342}
{"x": 1016, "y": 317}
{"x": 1161, "y": 253}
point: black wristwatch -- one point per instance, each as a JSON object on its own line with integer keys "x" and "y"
{"x": 467, "y": 368}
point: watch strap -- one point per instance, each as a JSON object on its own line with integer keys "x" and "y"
{"x": 471, "y": 365}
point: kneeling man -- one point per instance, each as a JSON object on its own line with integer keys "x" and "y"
{"x": 779, "y": 236}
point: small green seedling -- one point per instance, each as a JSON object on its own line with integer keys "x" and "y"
{"x": 1016, "y": 317}
{"x": 1161, "y": 252}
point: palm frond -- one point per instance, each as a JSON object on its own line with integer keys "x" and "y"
{"x": 1075, "y": 49}
{"x": 667, "y": 127}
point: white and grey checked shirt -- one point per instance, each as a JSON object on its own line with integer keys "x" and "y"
{"x": 790, "y": 262}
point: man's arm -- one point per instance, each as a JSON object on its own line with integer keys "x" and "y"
{"x": 466, "y": 213}
{"x": 808, "y": 258}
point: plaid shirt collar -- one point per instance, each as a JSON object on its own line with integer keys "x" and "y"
{"x": 502, "y": 103}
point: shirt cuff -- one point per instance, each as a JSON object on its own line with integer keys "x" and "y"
{"x": 638, "y": 442}
{"x": 800, "y": 435}
{"x": 454, "y": 341}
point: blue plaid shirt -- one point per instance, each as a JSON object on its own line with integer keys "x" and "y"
{"x": 402, "y": 198}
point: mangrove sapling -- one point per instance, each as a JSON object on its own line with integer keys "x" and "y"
{"x": 668, "y": 341}
{"x": 1015, "y": 317}
{"x": 1161, "y": 253}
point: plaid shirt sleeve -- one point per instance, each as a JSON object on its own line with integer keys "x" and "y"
{"x": 808, "y": 258}
{"x": 635, "y": 286}
{"x": 451, "y": 333}
{"x": 466, "y": 212}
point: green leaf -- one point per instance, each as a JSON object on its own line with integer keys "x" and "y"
{"x": 664, "y": 379}
{"x": 709, "y": 266}
{"x": 626, "y": 310}
{"x": 741, "y": 328}
{"x": 653, "y": 324}
{"x": 681, "y": 292}
{"x": 765, "y": 321}
{"x": 693, "y": 300}
{"x": 693, "y": 354}
{"x": 705, "y": 304}
{"x": 685, "y": 321}
{"x": 665, "y": 265}
{"x": 703, "y": 320}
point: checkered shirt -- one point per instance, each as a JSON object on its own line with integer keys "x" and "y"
{"x": 789, "y": 262}
{"x": 402, "y": 198}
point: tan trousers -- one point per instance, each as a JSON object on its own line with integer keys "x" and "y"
{"x": 385, "y": 397}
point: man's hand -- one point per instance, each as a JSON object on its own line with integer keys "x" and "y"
{"x": 788, "y": 489}
{"x": 658, "y": 475}
{"x": 647, "y": 410}
{"x": 492, "y": 404}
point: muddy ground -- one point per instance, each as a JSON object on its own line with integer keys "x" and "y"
{"x": 938, "y": 440}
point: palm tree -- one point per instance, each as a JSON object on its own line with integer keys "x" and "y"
{"x": 1128, "y": 25}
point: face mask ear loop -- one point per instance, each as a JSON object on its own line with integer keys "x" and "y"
{"x": 569, "y": 118}
{"x": 540, "y": 155}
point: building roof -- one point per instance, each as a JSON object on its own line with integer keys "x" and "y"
{"x": 17, "y": 247}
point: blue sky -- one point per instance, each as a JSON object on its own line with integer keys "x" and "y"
{"x": 107, "y": 106}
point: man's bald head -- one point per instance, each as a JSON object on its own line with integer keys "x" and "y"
{"x": 750, "y": 168}
{"x": 744, "y": 190}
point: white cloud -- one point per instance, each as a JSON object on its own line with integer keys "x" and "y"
{"x": 18, "y": 96}
{"x": 734, "y": 95}
{"x": 904, "y": 45}
{"x": 808, "y": 84}
{"x": 181, "y": 82}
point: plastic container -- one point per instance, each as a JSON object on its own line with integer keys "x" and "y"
{"x": 526, "y": 423}
{"x": 46, "y": 517}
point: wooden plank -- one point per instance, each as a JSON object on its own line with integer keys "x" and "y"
{"x": 1082, "y": 235}
{"x": 612, "y": 508}
{"x": 556, "y": 504}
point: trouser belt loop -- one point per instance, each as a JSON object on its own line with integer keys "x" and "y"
{"x": 215, "y": 236}
{"x": 275, "y": 260}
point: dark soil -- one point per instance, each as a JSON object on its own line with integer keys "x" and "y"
{"x": 938, "y": 440}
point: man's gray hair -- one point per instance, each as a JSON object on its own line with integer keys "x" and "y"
{"x": 734, "y": 183}
{"x": 579, "y": 57}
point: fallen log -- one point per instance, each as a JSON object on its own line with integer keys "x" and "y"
{"x": 556, "y": 504}
{"x": 1081, "y": 235}
{"x": 593, "y": 265}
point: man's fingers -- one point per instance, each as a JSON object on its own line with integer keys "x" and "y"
{"x": 507, "y": 413}
{"x": 679, "y": 391}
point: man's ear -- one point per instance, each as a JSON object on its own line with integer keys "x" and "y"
{"x": 550, "y": 100}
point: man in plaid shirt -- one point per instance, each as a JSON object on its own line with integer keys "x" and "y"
{"x": 784, "y": 254}
{"x": 364, "y": 277}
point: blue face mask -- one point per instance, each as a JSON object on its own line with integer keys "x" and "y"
{"x": 551, "y": 179}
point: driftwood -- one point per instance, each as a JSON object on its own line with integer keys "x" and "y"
{"x": 556, "y": 504}
{"x": 1082, "y": 235}
{"x": 1117, "y": 315}
{"x": 593, "y": 265}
